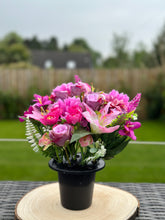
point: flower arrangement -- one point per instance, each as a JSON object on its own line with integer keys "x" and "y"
{"x": 76, "y": 120}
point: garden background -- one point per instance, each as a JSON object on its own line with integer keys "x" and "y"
{"x": 137, "y": 163}
{"x": 125, "y": 51}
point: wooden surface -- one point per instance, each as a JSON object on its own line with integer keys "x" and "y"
{"x": 108, "y": 203}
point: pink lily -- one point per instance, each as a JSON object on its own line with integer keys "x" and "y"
{"x": 100, "y": 121}
{"x": 41, "y": 100}
{"x": 129, "y": 128}
{"x": 35, "y": 114}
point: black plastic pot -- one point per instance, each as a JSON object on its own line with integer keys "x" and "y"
{"x": 76, "y": 186}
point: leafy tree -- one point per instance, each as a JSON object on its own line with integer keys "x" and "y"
{"x": 12, "y": 49}
{"x": 81, "y": 45}
{"x": 52, "y": 44}
{"x": 159, "y": 47}
{"x": 33, "y": 43}
{"x": 12, "y": 38}
{"x": 120, "y": 49}
{"x": 142, "y": 58}
{"x": 121, "y": 57}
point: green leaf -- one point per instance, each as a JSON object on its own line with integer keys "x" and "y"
{"x": 117, "y": 149}
{"x": 79, "y": 134}
{"x": 93, "y": 150}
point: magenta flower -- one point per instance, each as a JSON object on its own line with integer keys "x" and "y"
{"x": 73, "y": 112}
{"x": 29, "y": 111}
{"x": 35, "y": 113}
{"x": 79, "y": 87}
{"x": 119, "y": 101}
{"x": 50, "y": 118}
{"x": 60, "y": 134}
{"x": 41, "y": 100}
{"x": 100, "y": 121}
{"x": 129, "y": 128}
{"x": 134, "y": 103}
{"x": 94, "y": 100}
{"x": 86, "y": 141}
{"x": 63, "y": 91}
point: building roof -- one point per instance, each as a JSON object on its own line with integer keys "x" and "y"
{"x": 57, "y": 59}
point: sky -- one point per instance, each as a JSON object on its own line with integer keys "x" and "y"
{"x": 94, "y": 20}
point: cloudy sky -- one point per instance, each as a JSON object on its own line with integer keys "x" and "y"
{"x": 94, "y": 20}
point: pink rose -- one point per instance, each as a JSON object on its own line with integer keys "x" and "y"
{"x": 60, "y": 134}
{"x": 86, "y": 141}
{"x": 94, "y": 100}
{"x": 62, "y": 92}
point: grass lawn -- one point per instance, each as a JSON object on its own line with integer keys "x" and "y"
{"x": 137, "y": 163}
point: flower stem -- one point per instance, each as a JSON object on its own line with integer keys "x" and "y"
{"x": 82, "y": 153}
{"x": 67, "y": 156}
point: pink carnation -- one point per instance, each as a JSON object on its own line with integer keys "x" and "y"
{"x": 73, "y": 112}
{"x": 119, "y": 101}
{"x": 50, "y": 118}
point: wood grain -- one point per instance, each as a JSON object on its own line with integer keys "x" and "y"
{"x": 108, "y": 203}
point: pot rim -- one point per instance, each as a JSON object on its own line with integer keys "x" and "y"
{"x": 69, "y": 170}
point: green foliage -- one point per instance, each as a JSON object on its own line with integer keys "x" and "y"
{"x": 159, "y": 47}
{"x": 12, "y": 104}
{"x": 36, "y": 44}
{"x": 79, "y": 134}
{"x": 155, "y": 97}
{"x": 142, "y": 58}
{"x": 114, "y": 143}
{"x": 13, "y": 50}
{"x": 80, "y": 45}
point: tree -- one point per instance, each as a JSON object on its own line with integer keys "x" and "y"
{"x": 80, "y": 45}
{"x": 159, "y": 47}
{"x": 121, "y": 57}
{"x": 52, "y": 44}
{"x": 13, "y": 50}
{"x": 33, "y": 43}
{"x": 120, "y": 49}
{"x": 142, "y": 58}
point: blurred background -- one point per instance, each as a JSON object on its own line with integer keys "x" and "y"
{"x": 110, "y": 44}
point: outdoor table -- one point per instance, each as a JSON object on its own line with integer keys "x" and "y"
{"x": 150, "y": 195}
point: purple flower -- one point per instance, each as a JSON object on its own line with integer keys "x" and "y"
{"x": 41, "y": 100}
{"x": 129, "y": 128}
{"x": 63, "y": 91}
{"x": 94, "y": 100}
{"x": 61, "y": 133}
{"x": 79, "y": 87}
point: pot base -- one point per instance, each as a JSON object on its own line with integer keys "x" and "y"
{"x": 108, "y": 203}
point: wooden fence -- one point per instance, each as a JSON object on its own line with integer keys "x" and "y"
{"x": 130, "y": 81}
